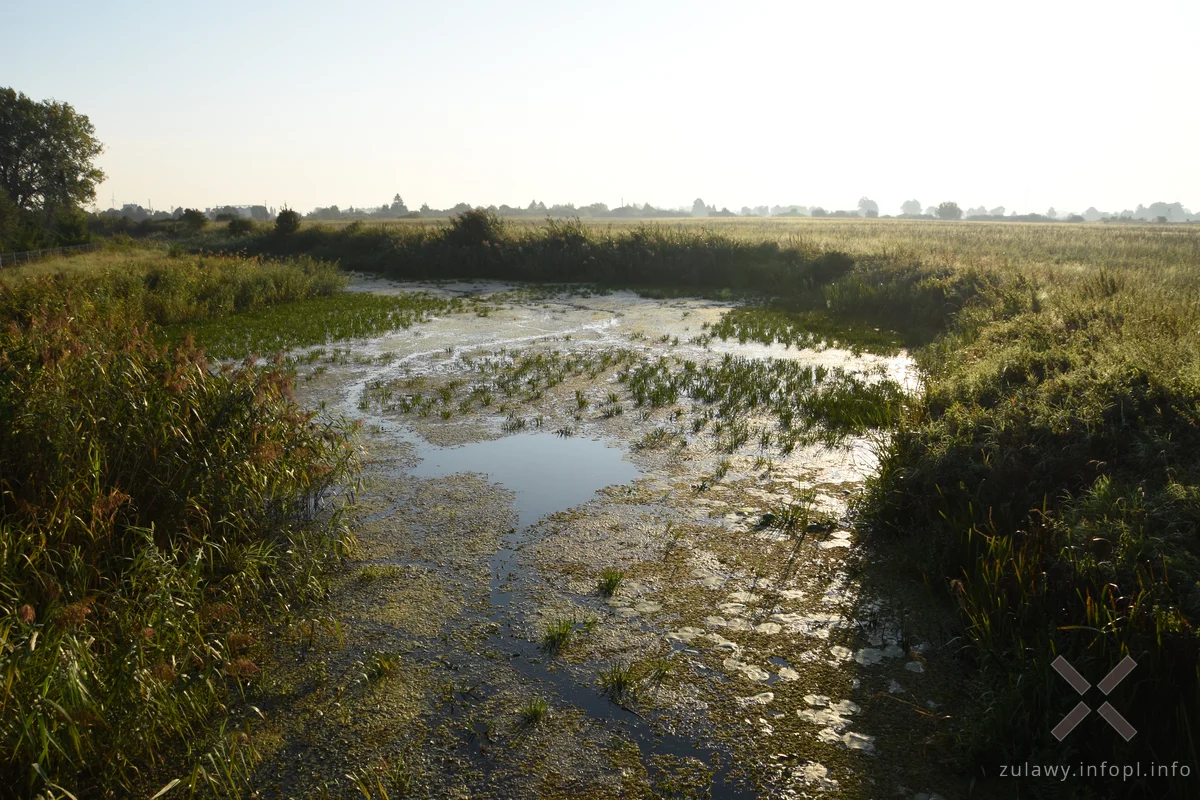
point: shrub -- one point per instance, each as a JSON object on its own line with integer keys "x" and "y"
{"x": 193, "y": 219}
{"x": 239, "y": 226}
{"x": 475, "y": 227}
{"x": 288, "y": 222}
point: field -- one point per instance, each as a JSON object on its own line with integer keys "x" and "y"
{"x": 886, "y": 472}
{"x": 1031, "y": 248}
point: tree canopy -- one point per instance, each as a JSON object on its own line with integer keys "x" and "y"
{"x": 949, "y": 210}
{"x": 46, "y": 154}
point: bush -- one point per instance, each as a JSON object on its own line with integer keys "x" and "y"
{"x": 288, "y": 222}
{"x": 150, "y": 509}
{"x": 193, "y": 219}
{"x": 475, "y": 227}
{"x": 239, "y": 226}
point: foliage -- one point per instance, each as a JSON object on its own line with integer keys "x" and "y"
{"x": 475, "y": 228}
{"x": 46, "y": 154}
{"x": 949, "y": 210}
{"x": 193, "y": 219}
{"x": 287, "y": 222}
{"x": 240, "y": 225}
{"x": 313, "y": 321}
{"x": 151, "y": 508}
{"x": 1049, "y": 473}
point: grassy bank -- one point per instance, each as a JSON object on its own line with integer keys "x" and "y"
{"x": 154, "y": 513}
{"x": 1049, "y": 475}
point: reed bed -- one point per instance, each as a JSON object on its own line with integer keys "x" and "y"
{"x": 155, "y": 512}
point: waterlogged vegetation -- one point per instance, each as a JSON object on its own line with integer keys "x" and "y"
{"x": 314, "y": 321}
{"x": 806, "y": 403}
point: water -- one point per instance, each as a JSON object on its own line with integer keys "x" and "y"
{"x": 550, "y": 473}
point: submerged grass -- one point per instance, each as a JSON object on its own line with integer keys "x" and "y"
{"x": 313, "y": 321}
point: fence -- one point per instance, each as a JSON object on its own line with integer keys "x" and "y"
{"x": 8, "y": 259}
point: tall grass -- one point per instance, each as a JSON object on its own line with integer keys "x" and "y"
{"x": 152, "y": 510}
{"x": 170, "y": 287}
{"x": 1051, "y": 474}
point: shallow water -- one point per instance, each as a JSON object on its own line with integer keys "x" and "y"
{"x": 548, "y": 473}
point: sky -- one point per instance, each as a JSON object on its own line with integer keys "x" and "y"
{"x": 1022, "y": 104}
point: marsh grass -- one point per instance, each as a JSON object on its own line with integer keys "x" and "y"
{"x": 619, "y": 683}
{"x": 534, "y": 711}
{"x": 610, "y": 581}
{"x": 557, "y": 634}
{"x": 1049, "y": 472}
{"x": 153, "y": 512}
{"x": 311, "y": 321}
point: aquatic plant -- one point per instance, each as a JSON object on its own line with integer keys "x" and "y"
{"x": 610, "y": 580}
{"x": 618, "y": 682}
{"x": 534, "y": 711}
{"x": 557, "y": 634}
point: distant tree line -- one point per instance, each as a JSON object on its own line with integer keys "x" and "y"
{"x": 866, "y": 209}
{"x": 132, "y": 218}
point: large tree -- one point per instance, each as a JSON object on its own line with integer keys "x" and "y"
{"x": 46, "y": 154}
{"x": 949, "y": 210}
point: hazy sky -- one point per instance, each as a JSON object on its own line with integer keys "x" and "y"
{"x": 1021, "y": 104}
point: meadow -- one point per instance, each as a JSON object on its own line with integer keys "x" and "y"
{"x": 1044, "y": 479}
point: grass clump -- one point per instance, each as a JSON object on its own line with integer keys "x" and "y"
{"x": 619, "y": 683}
{"x": 534, "y": 711}
{"x": 557, "y": 634}
{"x": 610, "y": 581}
{"x": 152, "y": 509}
